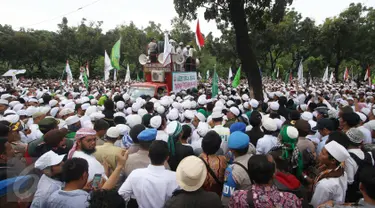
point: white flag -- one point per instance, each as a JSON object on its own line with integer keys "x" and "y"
{"x": 114, "y": 74}
{"x": 325, "y": 76}
{"x": 278, "y": 71}
{"x": 230, "y": 75}
{"x": 300, "y": 73}
{"x": 81, "y": 75}
{"x": 87, "y": 70}
{"x": 107, "y": 66}
{"x": 331, "y": 78}
{"x": 69, "y": 76}
{"x": 199, "y": 75}
{"x": 208, "y": 74}
{"x": 14, "y": 81}
{"x": 127, "y": 76}
{"x": 167, "y": 50}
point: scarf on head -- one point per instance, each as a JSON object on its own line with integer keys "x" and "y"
{"x": 290, "y": 145}
{"x": 171, "y": 138}
{"x": 126, "y": 140}
{"x": 81, "y": 133}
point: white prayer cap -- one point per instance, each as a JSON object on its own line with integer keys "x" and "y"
{"x": 120, "y": 105}
{"x": 133, "y": 120}
{"x": 164, "y": 102}
{"x": 172, "y": 127}
{"x": 217, "y": 109}
{"x": 32, "y": 100}
{"x": 160, "y": 109}
{"x": 72, "y": 120}
{"x": 96, "y": 116}
{"x": 202, "y": 128}
{"x": 362, "y": 116}
{"x": 246, "y": 105}
{"x": 235, "y": 111}
{"x": 193, "y": 104}
{"x": 303, "y": 107}
{"x": 70, "y": 105}
{"x": 41, "y": 101}
{"x": 54, "y": 111}
{"x": 136, "y": 107}
{"x": 245, "y": 97}
{"x": 370, "y": 125}
{"x": 230, "y": 103}
{"x": 66, "y": 111}
{"x": 90, "y": 110}
{"x": 22, "y": 112}
{"x": 93, "y": 101}
{"x": 202, "y": 100}
{"x": 279, "y": 123}
{"x": 126, "y": 97}
{"x": 85, "y": 100}
{"x": 128, "y": 111}
{"x": 200, "y": 116}
{"x": 13, "y": 103}
{"x": 337, "y": 151}
{"x": 217, "y": 114}
{"x": 85, "y": 106}
{"x": 366, "y": 111}
{"x": 119, "y": 114}
{"x": 123, "y": 129}
{"x": 142, "y": 112}
{"x": 113, "y": 132}
{"x": 53, "y": 103}
{"x": 155, "y": 121}
{"x": 274, "y": 106}
{"x": 48, "y": 159}
{"x": 5, "y": 96}
{"x": 4, "y": 102}
{"x": 45, "y": 109}
{"x": 176, "y": 105}
{"x": 31, "y": 110}
{"x": 189, "y": 114}
{"x": 9, "y": 112}
{"x": 307, "y": 116}
{"x": 14, "y": 118}
{"x": 269, "y": 124}
{"x": 173, "y": 114}
{"x": 86, "y": 122}
{"x": 186, "y": 104}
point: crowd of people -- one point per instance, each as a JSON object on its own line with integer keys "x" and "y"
{"x": 301, "y": 146}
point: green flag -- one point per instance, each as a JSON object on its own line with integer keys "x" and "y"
{"x": 85, "y": 80}
{"x": 138, "y": 77}
{"x": 274, "y": 74}
{"x": 215, "y": 87}
{"x": 237, "y": 78}
{"x": 286, "y": 77}
{"x": 115, "y": 55}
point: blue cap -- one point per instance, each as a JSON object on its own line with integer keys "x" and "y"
{"x": 238, "y": 126}
{"x": 238, "y": 140}
{"x": 147, "y": 135}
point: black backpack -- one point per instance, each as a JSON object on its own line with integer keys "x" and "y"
{"x": 353, "y": 194}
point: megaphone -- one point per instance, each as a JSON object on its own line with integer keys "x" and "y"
{"x": 142, "y": 59}
{"x": 180, "y": 59}
{"x": 161, "y": 58}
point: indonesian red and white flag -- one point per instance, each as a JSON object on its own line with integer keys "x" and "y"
{"x": 367, "y": 75}
{"x": 199, "y": 37}
{"x": 87, "y": 69}
{"x": 346, "y": 74}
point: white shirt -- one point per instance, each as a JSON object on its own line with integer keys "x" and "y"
{"x": 367, "y": 139}
{"x": 95, "y": 167}
{"x": 196, "y": 140}
{"x": 224, "y": 133}
{"x": 265, "y": 144}
{"x": 151, "y": 186}
{"x": 162, "y": 135}
{"x": 330, "y": 189}
{"x": 351, "y": 166}
{"x": 46, "y": 186}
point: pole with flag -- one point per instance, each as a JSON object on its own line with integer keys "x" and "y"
{"x": 85, "y": 79}
{"x": 215, "y": 84}
{"x": 115, "y": 58}
{"x": 81, "y": 74}
{"x": 331, "y": 78}
{"x": 87, "y": 69}
{"x": 368, "y": 76}
{"x": 300, "y": 73}
{"x": 107, "y": 66}
{"x": 278, "y": 71}
{"x": 167, "y": 50}
{"x": 237, "y": 78}
{"x": 325, "y": 76}
{"x": 274, "y": 74}
{"x": 207, "y": 74}
{"x": 199, "y": 75}
{"x": 230, "y": 75}
{"x": 69, "y": 77}
{"x": 127, "y": 76}
{"x": 346, "y": 74}
{"x": 198, "y": 36}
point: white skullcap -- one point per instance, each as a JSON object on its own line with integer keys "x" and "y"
{"x": 85, "y": 106}
{"x": 173, "y": 114}
{"x": 13, "y": 103}
{"x": 5, "y": 96}
{"x": 230, "y": 103}
{"x": 126, "y": 97}
{"x": 9, "y": 112}
{"x": 246, "y": 105}
{"x": 33, "y": 100}
{"x": 123, "y": 129}
{"x": 186, "y": 104}
{"x": 337, "y": 151}
{"x": 142, "y": 112}
{"x": 90, "y": 110}
{"x": 160, "y": 109}
{"x": 164, "y": 102}
{"x": 96, "y": 116}
{"x": 86, "y": 122}
{"x": 303, "y": 107}
{"x": 70, "y": 105}
{"x": 202, "y": 100}
{"x": 72, "y": 120}
{"x": 279, "y": 123}
{"x": 66, "y": 111}
{"x": 45, "y": 109}
{"x": 217, "y": 109}
{"x": 93, "y": 101}
{"x": 14, "y": 118}
{"x": 235, "y": 111}
{"x": 120, "y": 105}
{"x": 366, "y": 111}
{"x": 193, "y": 104}
{"x": 155, "y": 122}
{"x": 85, "y": 100}
{"x": 362, "y": 116}
{"x": 48, "y": 159}
{"x": 202, "y": 129}
{"x": 200, "y": 116}
{"x": 136, "y": 107}
{"x": 128, "y": 111}
{"x": 54, "y": 111}
{"x": 31, "y": 110}
{"x": 133, "y": 120}
{"x": 53, "y": 103}
{"x": 217, "y": 114}
{"x": 269, "y": 124}
{"x": 4, "y": 102}
{"x": 119, "y": 114}
{"x": 292, "y": 132}
{"x": 245, "y": 97}
{"x": 113, "y": 132}
{"x": 307, "y": 116}
{"x": 22, "y": 112}
{"x": 189, "y": 114}
{"x": 274, "y": 106}
{"x": 18, "y": 107}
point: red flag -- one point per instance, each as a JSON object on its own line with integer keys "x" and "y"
{"x": 199, "y": 36}
{"x": 290, "y": 77}
{"x": 346, "y": 74}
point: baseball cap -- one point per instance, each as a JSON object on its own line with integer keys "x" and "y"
{"x": 48, "y": 159}
{"x": 324, "y": 123}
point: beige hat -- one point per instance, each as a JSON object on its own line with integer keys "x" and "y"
{"x": 191, "y": 173}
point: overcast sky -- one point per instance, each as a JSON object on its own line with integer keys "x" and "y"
{"x": 44, "y": 14}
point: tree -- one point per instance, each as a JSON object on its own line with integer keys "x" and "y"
{"x": 181, "y": 31}
{"x": 240, "y": 13}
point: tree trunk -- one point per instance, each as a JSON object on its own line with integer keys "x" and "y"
{"x": 338, "y": 62}
{"x": 245, "y": 53}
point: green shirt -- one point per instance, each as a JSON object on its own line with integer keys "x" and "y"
{"x": 71, "y": 135}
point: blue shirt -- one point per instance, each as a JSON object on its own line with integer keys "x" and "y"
{"x": 68, "y": 199}
{"x": 321, "y": 144}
